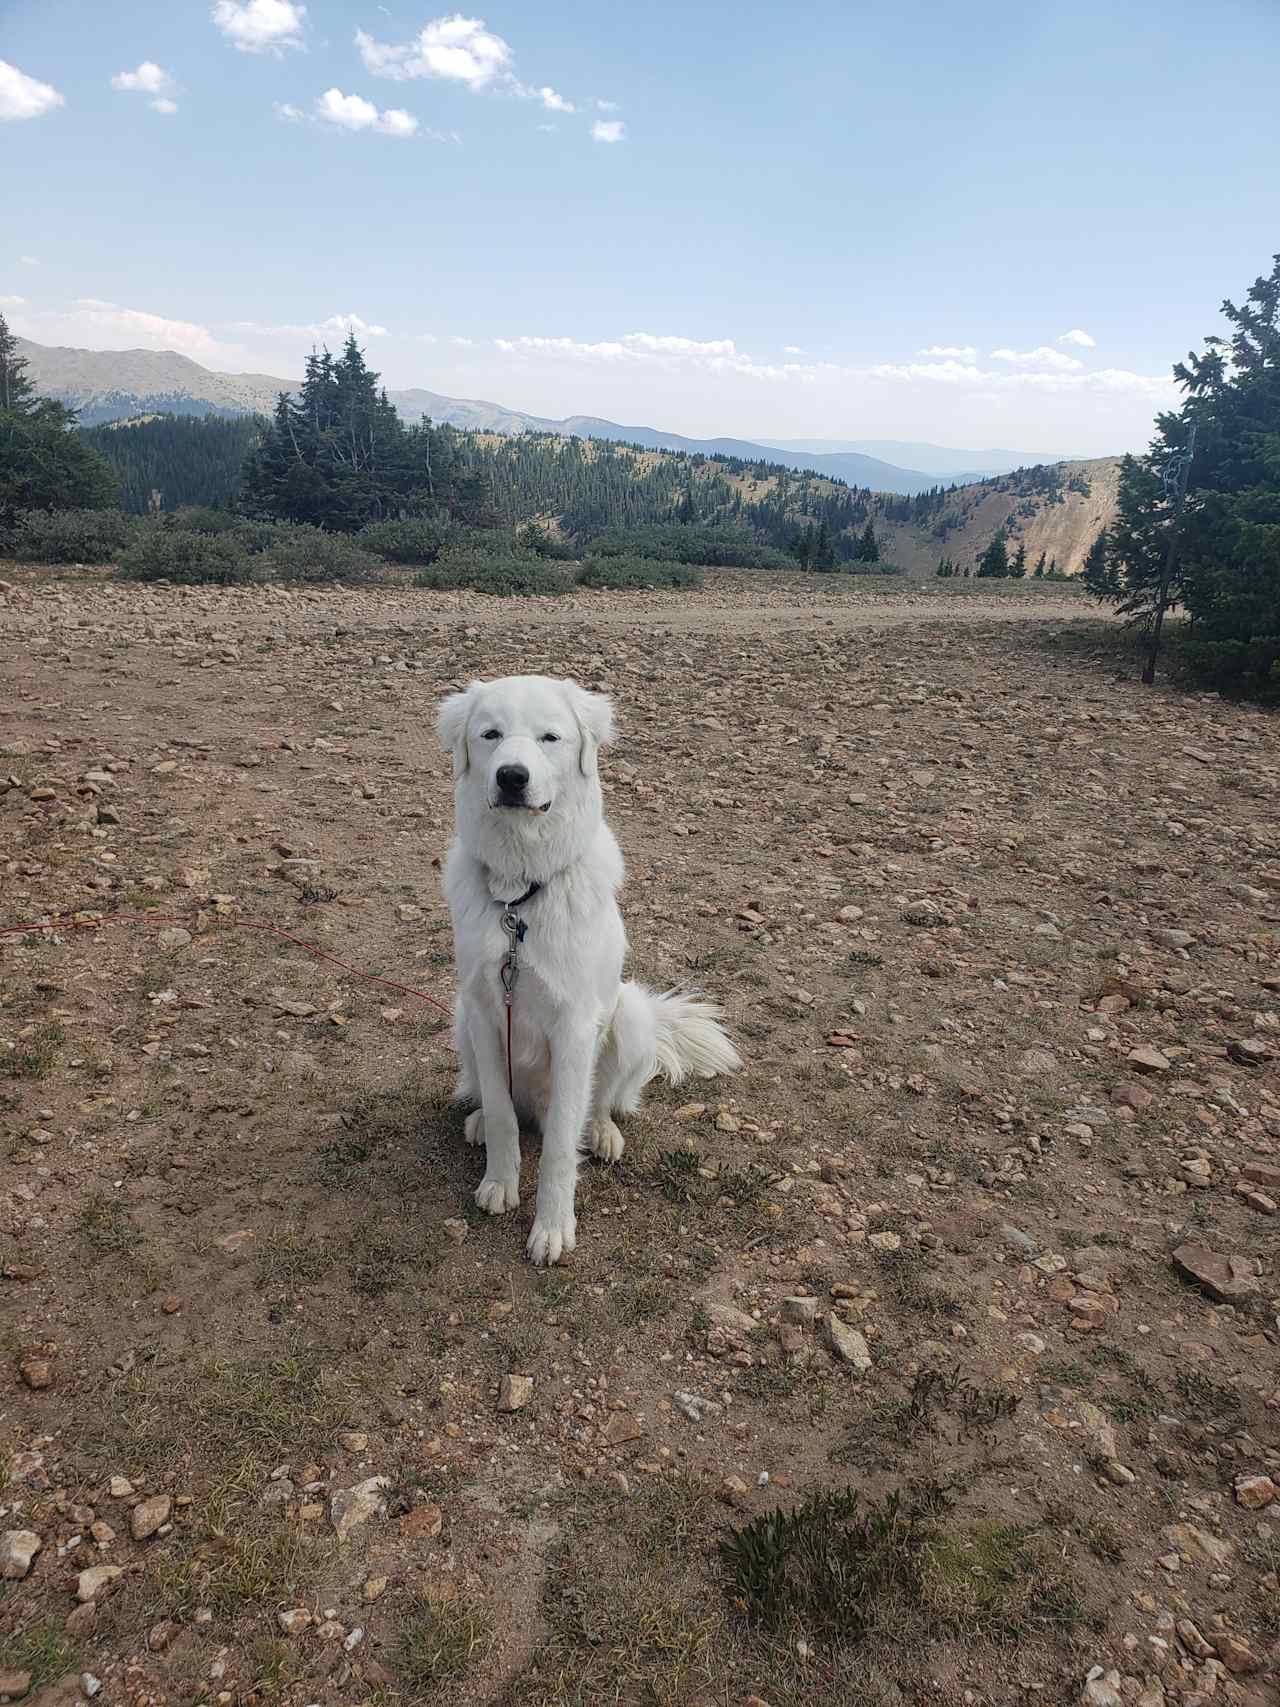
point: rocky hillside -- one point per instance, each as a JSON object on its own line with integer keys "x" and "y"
{"x": 1058, "y": 509}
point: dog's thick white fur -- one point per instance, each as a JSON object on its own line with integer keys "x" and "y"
{"x": 584, "y": 1044}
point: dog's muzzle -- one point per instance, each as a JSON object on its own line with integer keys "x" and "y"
{"x": 513, "y": 783}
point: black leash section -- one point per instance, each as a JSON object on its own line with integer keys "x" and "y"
{"x": 509, "y": 971}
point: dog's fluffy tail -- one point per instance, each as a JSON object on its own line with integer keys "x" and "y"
{"x": 689, "y": 1038}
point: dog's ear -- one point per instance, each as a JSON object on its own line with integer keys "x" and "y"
{"x": 451, "y": 726}
{"x": 593, "y": 713}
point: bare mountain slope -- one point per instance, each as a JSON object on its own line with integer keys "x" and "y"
{"x": 1058, "y": 509}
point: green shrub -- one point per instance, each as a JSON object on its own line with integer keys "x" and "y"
{"x": 619, "y": 573}
{"x": 415, "y": 539}
{"x": 68, "y": 536}
{"x": 490, "y": 572}
{"x": 201, "y": 518}
{"x": 543, "y": 543}
{"x": 720, "y": 547}
{"x": 173, "y": 554}
{"x": 303, "y": 553}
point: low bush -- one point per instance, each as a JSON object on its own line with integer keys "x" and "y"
{"x": 672, "y": 542}
{"x": 173, "y": 554}
{"x": 309, "y": 554}
{"x": 67, "y": 536}
{"x": 415, "y": 539}
{"x": 491, "y": 572}
{"x": 622, "y": 573}
{"x": 201, "y": 518}
{"x": 543, "y": 543}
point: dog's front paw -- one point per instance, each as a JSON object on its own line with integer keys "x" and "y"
{"x": 552, "y": 1237}
{"x": 473, "y": 1127}
{"x": 496, "y": 1196}
{"x": 604, "y": 1140}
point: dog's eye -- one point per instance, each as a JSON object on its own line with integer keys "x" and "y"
{"x": 550, "y": 737}
{"x": 491, "y": 735}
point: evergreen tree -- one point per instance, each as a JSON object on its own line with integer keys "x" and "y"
{"x": 868, "y": 547}
{"x": 802, "y": 546}
{"x": 687, "y": 513}
{"x": 17, "y": 390}
{"x": 1221, "y": 559}
{"x": 824, "y": 552}
{"x": 338, "y": 455}
{"x": 1018, "y": 566}
{"x": 44, "y": 465}
{"x": 1053, "y": 566}
{"x": 994, "y": 562}
{"x": 1040, "y": 565}
{"x": 1098, "y": 573}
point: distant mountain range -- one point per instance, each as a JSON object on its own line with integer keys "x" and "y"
{"x": 111, "y": 385}
{"x": 934, "y": 459}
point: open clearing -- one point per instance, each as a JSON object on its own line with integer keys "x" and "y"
{"x": 998, "y": 932}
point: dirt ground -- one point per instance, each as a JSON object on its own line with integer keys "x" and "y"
{"x": 985, "y": 1232}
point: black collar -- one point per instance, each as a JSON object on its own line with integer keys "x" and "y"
{"x": 530, "y": 892}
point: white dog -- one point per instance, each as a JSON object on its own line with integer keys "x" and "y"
{"x": 545, "y": 1026}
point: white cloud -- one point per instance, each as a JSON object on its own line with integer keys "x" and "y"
{"x": 1043, "y": 358}
{"x": 608, "y": 130}
{"x": 606, "y": 106}
{"x": 554, "y": 103}
{"x": 463, "y": 343}
{"x": 426, "y": 338}
{"x": 110, "y": 326}
{"x": 660, "y": 351}
{"x": 950, "y": 372}
{"x": 336, "y": 326}
{"x": 353, "y": 112}
{"x": 1058, "y": 379}
{"x": 28, "y": 260}
{"x": 459, "y": 49}
{"x": 958, "y": 352}
{"x": 1076, "y": 336}
{"x": 23, "y": 97}
{"x": 12, "y": 301}
{"x": 148, "y": 79}
{"x": 288, "y": 112}
{"x": 792, "y": 350}
{"x": 260, "y": 26}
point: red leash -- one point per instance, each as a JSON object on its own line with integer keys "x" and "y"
{"x": 72, "y": 921}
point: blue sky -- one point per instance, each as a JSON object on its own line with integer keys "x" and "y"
{"x": 981, "y": 223}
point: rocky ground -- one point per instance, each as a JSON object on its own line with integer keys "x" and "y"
{"x": 986, "y": 1231}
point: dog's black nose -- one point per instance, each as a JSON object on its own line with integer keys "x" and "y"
{"x": 512, "y": 779}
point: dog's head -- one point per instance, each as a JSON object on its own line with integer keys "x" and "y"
{"x": 529, "y": 740}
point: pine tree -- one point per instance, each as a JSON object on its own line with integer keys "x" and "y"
{"x": 17, "y": 390}
{"x": 867, "y": 549}
{"x": 687, "y": 512}
{"x": 1018, "y": 567}
{"x": 1218, "y": 554}
{"x": 993, "y": 565}
{"x": 1040, "y": 565}
{"x": 1098, "y": 573}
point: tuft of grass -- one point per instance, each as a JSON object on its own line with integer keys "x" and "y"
{"x": 295, "y": 1258}
{"x": 643, "y": 1301}
{"x": 1205, "y": 1397}
{"x": 905, "y": 1276}
{"x": 36, "y": 1056}
{"x": 43, "y": 1650}
{"x": 842, "y": 1573}
{"x": 440, "y": 1642}
{"x": 379, "y": 1250}
{"x": 234, "y": 1567}
{"x": 676, "y": 1174}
